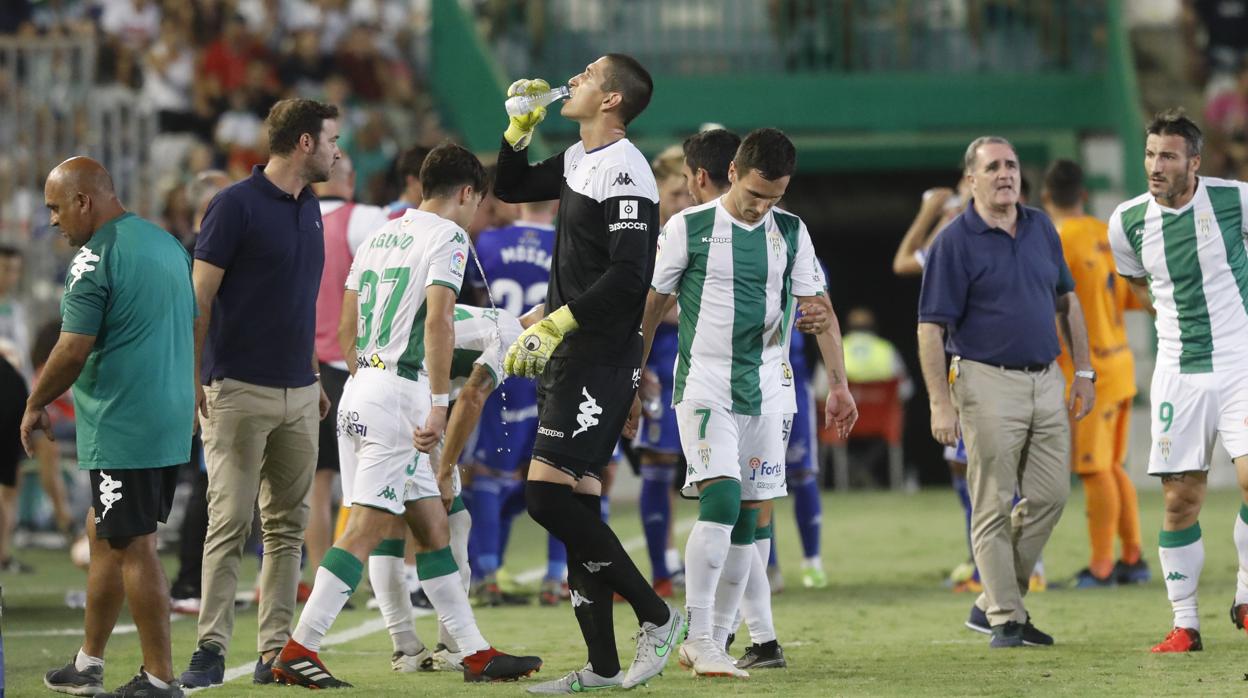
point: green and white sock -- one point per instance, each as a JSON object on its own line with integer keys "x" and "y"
{"x": 336, "y": 579}
{"x": 439, "y": 576}
{"x": 1182, "y": 555}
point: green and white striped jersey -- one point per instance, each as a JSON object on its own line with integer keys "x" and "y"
{"x": 482, "y": 337}
{"x": 1197, "y": 269}
{"x": 735, "y": 282}
{"x": 391, "y": 270}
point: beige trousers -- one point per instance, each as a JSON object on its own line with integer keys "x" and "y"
{"x": 1017, "y": 438}
{"x": 262, "y": 442}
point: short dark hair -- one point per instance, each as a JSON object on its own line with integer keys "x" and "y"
{"x": 766, "y": 151}
{"x": 626, "y": 76}
{"x": 289, "y": 119}
{"x": 449, "y": 167}
{"x": 409, "y": 162}
{"x": 9, "y": 251}
{"x": 1064, "y": 183}
{"x": 712, "y": 151}
{"x": 1174, "y": 122}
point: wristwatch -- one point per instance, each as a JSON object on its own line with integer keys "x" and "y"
{"x": 1090, "y": 375}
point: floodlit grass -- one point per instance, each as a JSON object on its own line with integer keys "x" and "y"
{"x": 885, "y": 625}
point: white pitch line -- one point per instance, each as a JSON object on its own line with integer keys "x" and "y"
{"x": 70, "y": 632}
{"x": 369, "y": 627}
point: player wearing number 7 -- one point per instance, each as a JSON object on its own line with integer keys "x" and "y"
{"x": 1183, "y": 242}
{"x": 405, "y": 278}
{"x": 736, "y": 263}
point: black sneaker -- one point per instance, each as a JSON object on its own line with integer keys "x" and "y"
{"x": 421, "y": 600}
{"x": 491, "y": 665}
{"x": 140, "y": 687}
{"x": 263, "y": 673}
{"x": 978, "y": 621}
{"x": 207, "y": 667}
{"x": 768, "y": 655}
{"x": 1008, "y": 634}
{"x": 1034, "y": 637}
{"x": 1134, "y": 573}
{"x": 69, "y": 680}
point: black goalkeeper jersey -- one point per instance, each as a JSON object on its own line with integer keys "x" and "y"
{"x": 605, "y": 237}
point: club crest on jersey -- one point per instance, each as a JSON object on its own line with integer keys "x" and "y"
{"x": 1204, "y": 224}
{"x": 628, "y": 209}
{"x": 786, "y": 374}
{"x": 704, "y": 454}
{"x": 773, "y": 237}
{"x": 1163, "y": 445}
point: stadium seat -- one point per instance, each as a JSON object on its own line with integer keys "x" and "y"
{"x": 880, "y": 416}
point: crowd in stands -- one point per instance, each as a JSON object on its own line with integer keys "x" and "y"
{"x": 1217, "y": 41}
{"x": 208, "y": 71}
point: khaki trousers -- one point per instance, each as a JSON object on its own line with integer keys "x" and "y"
{"x": 1017, "y": 438}
{"x": 257, "y": 441}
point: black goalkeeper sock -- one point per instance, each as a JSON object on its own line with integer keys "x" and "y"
{"x": 575, "y": 520}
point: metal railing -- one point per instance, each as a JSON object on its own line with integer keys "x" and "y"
{"x": 555, "y": 38}
{"x": 51, "y": 109}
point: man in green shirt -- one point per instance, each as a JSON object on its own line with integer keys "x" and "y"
{"x": 126, "y": 347}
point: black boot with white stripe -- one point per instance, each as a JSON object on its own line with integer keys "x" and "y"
{"x": 299, "y": 666}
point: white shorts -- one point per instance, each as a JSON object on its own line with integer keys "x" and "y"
{"x": 1189, "y": 411}
{"x": 379, "y": 466}
{"x": 748, "y": 448}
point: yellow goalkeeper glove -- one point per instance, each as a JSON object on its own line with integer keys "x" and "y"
{"x": 520, "y": 128}
{"x": 532, "y": 349}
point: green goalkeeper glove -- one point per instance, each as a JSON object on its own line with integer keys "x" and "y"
{"x": 520, "y": 129}
{"x": 532, "y": 349}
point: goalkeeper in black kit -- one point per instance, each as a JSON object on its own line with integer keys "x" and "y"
{"x": 586, "y": 352}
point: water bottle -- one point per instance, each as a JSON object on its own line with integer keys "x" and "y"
{"x": 523, "y": 104}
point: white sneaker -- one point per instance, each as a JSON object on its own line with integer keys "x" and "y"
{"x": 654, "y": 648}
{"x": 446, "y": 660}
{"x": 412, "y": 663}
{"x": 709, "y": 659}
{"x": 577, "y": 682}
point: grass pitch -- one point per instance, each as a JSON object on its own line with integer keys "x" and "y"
{"x": 884, "y": 626}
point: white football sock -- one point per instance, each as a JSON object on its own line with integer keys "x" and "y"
{"x": 1241, "y": 545}
{"x": 329, "y": 595}
{"x": 155, "y": 681}
{"x": 672, "y": 556}
{"x": 730, "y": 590}
{"x": 1181, "y": 566}
{"x": 756, "y": 604}
{"x": 385, "y": 574}
{"x": 705, "y": 555}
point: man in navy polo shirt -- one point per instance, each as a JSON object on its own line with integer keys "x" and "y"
{"x": 994, "y": 280}
{"x": 258, "y": 263}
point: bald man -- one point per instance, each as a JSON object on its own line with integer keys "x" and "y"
{"x": 345, "y": 225}
{"x": 127, "y": 348}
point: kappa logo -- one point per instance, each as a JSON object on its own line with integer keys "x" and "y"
{"x": 1176, "y": 576}
{"x": 636, "y": 378}
{"x": 578, "y": 600}
{"x": 595, "y": 567}
{"x": 387, "y": 492}
{"x": 110, "y": 491}
{"x": 628, "y": 209}
{"x": 589, "y": 413}
{"x": 623, "y": 179}
{"x": 83, "y": 262}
